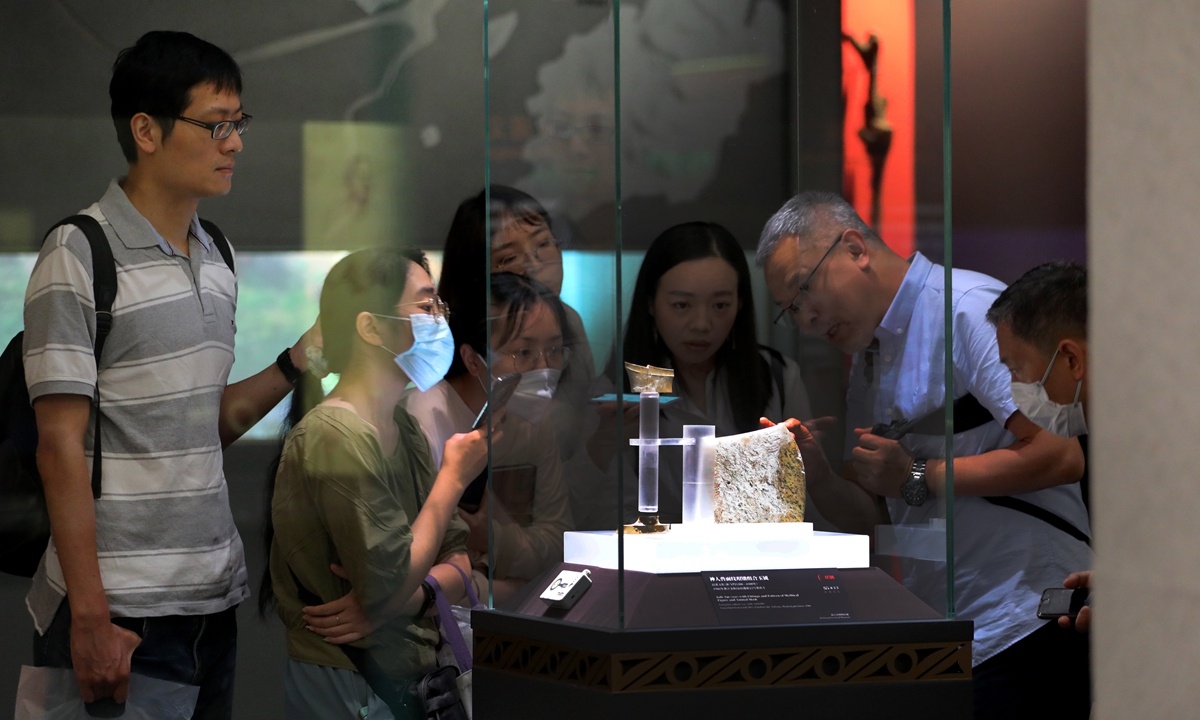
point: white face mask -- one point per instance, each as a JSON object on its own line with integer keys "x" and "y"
{"x": 531, "y": 400}
{"x": 1032, "y": 400}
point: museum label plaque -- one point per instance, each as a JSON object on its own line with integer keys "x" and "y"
{"x": 778, "y": 597}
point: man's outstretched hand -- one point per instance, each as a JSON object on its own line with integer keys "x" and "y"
{"x": 809, "y": 436}
{"x": 880, "y": 465}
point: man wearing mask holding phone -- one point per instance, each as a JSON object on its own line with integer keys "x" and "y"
{"x": 1041, "y": 329}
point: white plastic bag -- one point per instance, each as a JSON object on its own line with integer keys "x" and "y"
{"x": 462, "y": 617}
{"x": 53, "y": 694}
{"x": 445, "y": 655}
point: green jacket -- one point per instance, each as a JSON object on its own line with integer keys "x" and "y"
{"x": 338, "y": 499}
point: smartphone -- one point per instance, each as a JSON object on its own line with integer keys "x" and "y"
{"x": 513, "y": 487}
{"x": 1061, "y": 602}
{"x": 503, "y": 388}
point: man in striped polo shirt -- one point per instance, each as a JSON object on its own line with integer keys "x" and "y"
{"x": 153, "y": 570}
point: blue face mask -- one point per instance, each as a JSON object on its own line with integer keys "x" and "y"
{"x": 426, "y": 362}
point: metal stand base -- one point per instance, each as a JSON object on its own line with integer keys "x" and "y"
{"x": 646, "y": 524}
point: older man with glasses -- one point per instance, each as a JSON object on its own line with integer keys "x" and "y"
{"x": 1020, "y": 522}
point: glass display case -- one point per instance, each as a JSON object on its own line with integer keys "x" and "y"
{"x": 697, "y": 257}
{"x": 686, "y": 162}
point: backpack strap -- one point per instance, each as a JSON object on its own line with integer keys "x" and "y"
{"x": 222, "y": 244}
{"x": 1084, "y": 484}
{"x": 104, "y": 291}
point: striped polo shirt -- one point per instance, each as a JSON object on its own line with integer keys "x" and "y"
{"x": 165, "y": 535}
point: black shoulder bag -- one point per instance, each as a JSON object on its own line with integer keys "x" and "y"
{"x": 969, "y": 414}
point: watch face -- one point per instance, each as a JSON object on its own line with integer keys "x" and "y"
{"x": 915, "y": 492}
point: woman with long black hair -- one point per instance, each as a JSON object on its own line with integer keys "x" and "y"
{"x": 693, "y": 311}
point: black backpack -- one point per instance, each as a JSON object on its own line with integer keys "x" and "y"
{"x": 24, "y": 522}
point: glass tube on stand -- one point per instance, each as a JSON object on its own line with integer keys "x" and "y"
{"x": 648, "y": 455}
{"x": 648, "y": 381}
{"x": 699, "y": 468}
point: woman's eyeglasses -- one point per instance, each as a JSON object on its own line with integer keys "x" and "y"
{"x": 544, "y": 252}
{"x": 526, "y": 359}
{"x": 434, "y": 306}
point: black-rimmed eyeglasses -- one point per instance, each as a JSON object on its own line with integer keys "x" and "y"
{"x": 792, "y": 308}
{"x": 223, "y": 129}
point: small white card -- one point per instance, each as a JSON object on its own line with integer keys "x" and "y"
{"x": 567, "y": 588}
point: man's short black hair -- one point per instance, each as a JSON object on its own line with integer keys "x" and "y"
{"x": 155, "y": 77}
{"x": 1045, "y": 305}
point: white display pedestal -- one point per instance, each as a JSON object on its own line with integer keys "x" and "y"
{"x": 720, "y": 546}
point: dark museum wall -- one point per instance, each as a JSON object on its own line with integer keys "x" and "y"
{"x": 1020, "y": 132}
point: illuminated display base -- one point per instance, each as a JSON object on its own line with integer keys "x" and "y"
{"x": 703, "y": 547}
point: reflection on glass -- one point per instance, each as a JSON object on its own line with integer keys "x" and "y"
{"x": 692, "y": 310}
{"x": 521, "y": 242}
{"x": 528, "y": 507}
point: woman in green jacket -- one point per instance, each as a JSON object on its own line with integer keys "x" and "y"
{"x": 358, "y": 503}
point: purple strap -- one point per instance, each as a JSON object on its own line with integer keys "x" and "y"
{"x": 470, "y": 586}
{"x": 449, "y": 625}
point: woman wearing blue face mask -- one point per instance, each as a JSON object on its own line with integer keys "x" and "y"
{"x": 358, "y": 504}
{"x": 527, "y": 337}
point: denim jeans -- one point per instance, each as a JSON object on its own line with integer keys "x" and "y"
{"x": 189, "y": 649}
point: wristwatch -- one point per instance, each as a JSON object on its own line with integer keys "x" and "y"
{"x": 290, "y": 372}
{"x": 915, "y": 490}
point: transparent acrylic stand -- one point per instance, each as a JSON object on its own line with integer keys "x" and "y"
{"x": 700, "y": 543}
{"x": 648, "y": 444}
{"x": 699, "y": 474}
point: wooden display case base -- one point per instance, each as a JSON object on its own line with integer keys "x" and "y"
{"x": 899, "y": 659}
{"x": 499, "y": 695}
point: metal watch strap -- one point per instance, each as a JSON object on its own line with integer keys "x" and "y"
{"x": 915, "y": 490}
{"x": 290, "y": 372}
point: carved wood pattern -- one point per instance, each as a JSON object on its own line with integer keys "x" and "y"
{"x": 648, "y": 672}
